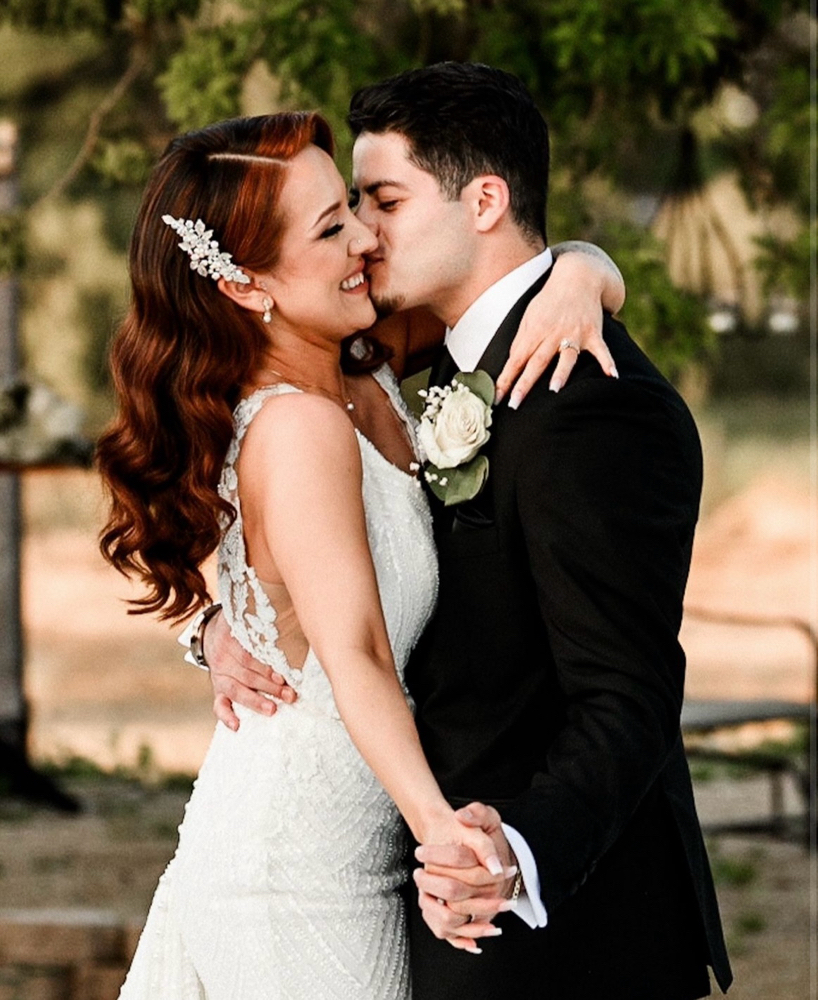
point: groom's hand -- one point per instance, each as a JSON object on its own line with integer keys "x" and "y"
{"x": 237, "y": 677}
{"x": 459, "y": 898}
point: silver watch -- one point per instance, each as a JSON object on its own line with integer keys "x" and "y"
{"x": 198, "y": 625}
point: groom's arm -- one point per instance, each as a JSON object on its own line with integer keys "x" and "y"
{"x": 235, "y": 675}
{"x": 607, "y": 491}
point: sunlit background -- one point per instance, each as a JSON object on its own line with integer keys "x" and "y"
{"x": 682, "y": 143}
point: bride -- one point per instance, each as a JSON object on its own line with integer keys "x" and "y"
{"x": 250, "y": 418}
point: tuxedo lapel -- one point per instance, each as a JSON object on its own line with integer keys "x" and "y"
{"x": 478, "y": 513}
{"x": 444, "y": 369}
{"x": 496, "y": 354}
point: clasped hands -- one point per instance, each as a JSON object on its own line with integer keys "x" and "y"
{"x": 458, "y": 896}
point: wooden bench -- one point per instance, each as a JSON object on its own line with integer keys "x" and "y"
{"x": 703, "y": 717}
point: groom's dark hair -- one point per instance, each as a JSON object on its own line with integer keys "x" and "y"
{"x": 463, "y": 120}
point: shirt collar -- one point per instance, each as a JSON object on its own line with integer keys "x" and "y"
{"x": 468, "y": 339}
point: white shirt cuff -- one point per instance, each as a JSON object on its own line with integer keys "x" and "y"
{"x": 530, "y": 907}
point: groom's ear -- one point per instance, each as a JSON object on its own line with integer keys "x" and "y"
{"x": 488, "y": 199}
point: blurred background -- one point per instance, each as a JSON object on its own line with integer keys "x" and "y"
{"x": 682, "y": 143}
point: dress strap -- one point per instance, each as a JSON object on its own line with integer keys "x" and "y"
{"x": 247, "y": 607}
{"x": 248, "y": 407}
{"x": 386, "y": 379}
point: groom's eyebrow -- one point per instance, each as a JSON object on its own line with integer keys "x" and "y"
{"x": 375, "y": 186}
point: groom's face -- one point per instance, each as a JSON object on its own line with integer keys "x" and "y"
{"x": 424, "y": 247}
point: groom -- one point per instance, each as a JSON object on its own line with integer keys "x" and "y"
{"x": 549, "y": 683}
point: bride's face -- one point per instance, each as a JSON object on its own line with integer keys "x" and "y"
{"x": 318, "y": 284}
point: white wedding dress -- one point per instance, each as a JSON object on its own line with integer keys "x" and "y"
{"x": 284, "y": 883}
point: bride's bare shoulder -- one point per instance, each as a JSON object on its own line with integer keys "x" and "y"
{"x": 299, "y": 425}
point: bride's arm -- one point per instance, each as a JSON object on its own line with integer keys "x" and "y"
{"x": 584, "y": 282}
{"x": 301, "y": 470}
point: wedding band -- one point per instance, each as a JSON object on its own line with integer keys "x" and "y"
{"x": 565, "y": 344}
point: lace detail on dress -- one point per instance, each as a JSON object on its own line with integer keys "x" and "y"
{"x": 249, "y": 612}
{"x": 284, "y": 885}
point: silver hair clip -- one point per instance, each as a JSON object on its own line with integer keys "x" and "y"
{"x": 205, "y": 257}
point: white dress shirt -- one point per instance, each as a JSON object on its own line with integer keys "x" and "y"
{"x": 467, "y": 341}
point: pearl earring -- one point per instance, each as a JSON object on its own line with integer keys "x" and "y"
{"x": 268, "y": 306}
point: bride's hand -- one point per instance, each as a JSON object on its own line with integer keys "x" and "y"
{"x": 568, "y": 308}
{"x": 460, "y": 900}
{"x": 449, "y": 829}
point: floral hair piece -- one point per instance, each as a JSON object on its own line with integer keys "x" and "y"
{"x": 205, "y": 257}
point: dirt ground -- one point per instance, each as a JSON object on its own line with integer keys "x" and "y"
{"x": 114, "y": 689}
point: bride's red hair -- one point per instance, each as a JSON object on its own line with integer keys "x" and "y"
{"x": 185, "y": 349}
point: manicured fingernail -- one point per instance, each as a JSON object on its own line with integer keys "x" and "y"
{"x": 508, "y": 904}
{"x": 514, "y": 401}
{"x": 511, "y": 870}
{"x": 466, "y": 813}
{"x": 494, "y": 932}
{"x": 494, "y": 865}
{"x": 498, "y": 396}
{"x": 474, "y": 951}
{"x": 555, "y": 384}
{"x": 614, "y": 372}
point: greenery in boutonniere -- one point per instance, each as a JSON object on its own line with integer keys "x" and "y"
{"x": 453, "y": 428}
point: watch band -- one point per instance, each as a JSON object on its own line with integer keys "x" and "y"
{"x": 518, "y": 884}
{"x": 199, "y": 624}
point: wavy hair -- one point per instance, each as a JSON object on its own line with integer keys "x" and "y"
{"x": 184, "y": 350}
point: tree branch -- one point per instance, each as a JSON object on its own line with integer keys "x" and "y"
{"x": 136, "y": 63}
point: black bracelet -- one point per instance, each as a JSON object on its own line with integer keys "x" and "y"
{"x": 197, "y": 638}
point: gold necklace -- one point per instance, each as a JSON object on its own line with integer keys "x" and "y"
{"x": 344, "y": 401}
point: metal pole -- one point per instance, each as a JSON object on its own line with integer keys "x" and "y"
{"x": 13, "y": 708}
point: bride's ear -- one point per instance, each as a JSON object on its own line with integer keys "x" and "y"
{"x": 253, "y": 296}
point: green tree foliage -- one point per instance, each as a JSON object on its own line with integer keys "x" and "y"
{"x": 203, "y": 80}
{"x": 621, "y": 83}
{"x": 63, "y": 15}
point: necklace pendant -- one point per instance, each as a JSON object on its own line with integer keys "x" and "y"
{"x": 350, "y": 406}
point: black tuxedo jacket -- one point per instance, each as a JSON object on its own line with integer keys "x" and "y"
{"x": 550, "y": 681}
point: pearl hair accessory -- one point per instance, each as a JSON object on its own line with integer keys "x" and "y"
{"x": 205, "y": 257}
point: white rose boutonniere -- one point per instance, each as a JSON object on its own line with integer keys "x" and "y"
{"x": 453, "y": 428}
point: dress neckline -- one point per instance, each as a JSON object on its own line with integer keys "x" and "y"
{"x": 401, "y": 415}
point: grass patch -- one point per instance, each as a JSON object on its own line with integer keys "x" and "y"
{"x": 144, "y": 773}
{"x": 736, "y": 872}
{"x": 49, "y": 865}
{"x": 750, "y": 923}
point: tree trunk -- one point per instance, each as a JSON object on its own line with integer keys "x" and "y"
{"x": 13, "y": 709}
